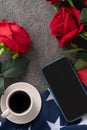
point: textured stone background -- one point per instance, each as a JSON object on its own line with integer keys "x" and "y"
{"x": 34, "y": 16}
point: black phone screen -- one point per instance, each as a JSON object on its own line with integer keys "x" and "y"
{"x": 67, "y": 88}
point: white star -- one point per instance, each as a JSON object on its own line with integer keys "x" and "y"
{"x": 56, "y": 125}
{"x": 50, "y": 97}
{"x": 29, "y": 128}
{"x": 84, "y": 121}
{"x": 0, "y": 123}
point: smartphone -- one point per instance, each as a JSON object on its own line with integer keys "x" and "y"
{"x": 67, "y": 89}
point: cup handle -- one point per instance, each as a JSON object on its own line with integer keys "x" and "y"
{"x": 5, "y": 113}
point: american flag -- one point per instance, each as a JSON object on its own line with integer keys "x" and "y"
{"x": 49, "y": 118}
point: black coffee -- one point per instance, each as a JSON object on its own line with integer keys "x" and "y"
{"x": 19, "y": 102}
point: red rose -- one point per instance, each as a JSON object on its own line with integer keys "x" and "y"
{"x": 14, "y": 37}
{"x": 54, "y": 1}
{"x": 65, "y": 25}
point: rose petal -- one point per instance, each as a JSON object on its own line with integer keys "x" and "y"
{"x": 5, "y": 29}
{"x": 9, "y": 43}
{"x": 20, "y": 34}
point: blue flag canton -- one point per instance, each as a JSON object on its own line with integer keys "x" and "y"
{"x": 49, "y": 118}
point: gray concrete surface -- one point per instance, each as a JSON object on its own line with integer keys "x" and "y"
{"x": 34, "y": 16}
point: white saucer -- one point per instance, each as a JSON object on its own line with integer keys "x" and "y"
{"x": 35, "y": 96}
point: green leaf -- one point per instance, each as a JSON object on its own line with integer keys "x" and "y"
{"x": 84, "y": 33}
{"x": 82, "y": 36}
{"x": 55, "y": 8}
{"x": 80, "y": 64}
{"x": 71, "y": 3}
{"x": 1, "y": 84}
{"x": 82, "y": 55}
{"x": 14, "y": 68}
{"x": 72, "y": 51}
{"x": 73, "y": 46}
{"x": 83, "y": 15}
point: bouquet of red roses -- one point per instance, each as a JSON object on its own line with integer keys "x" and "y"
{"x": 69, "y": 26}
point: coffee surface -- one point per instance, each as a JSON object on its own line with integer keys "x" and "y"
{"x": 19, "y": 102}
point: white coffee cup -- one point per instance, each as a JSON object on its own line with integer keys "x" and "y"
{"x": 21, "y": 103}
{"x": 18, "y": 102}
